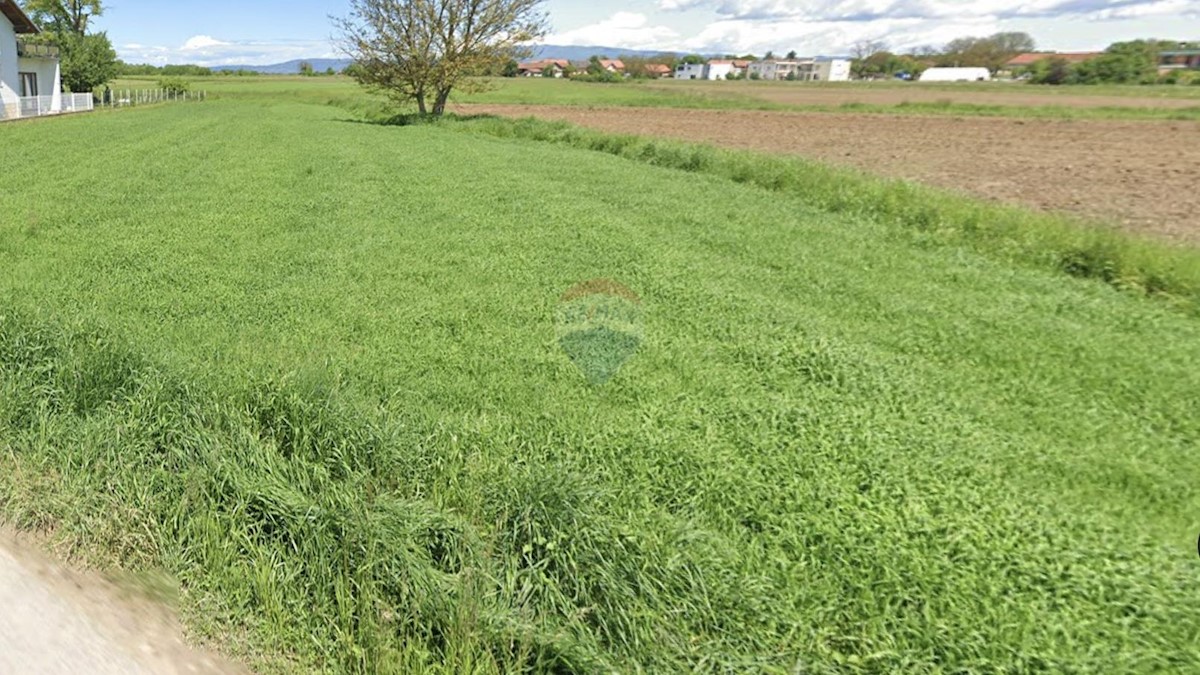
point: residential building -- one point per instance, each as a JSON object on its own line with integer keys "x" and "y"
{"x": 30, "y": 83}
{"x": 1177, "y": 59}
{"x": 612, "y": 65}
{"x": 802, "y": 70}
{"x": 716, "y": 69}
{"x": 691, "y": 71}
{"x": 557, "y": 68}
{"x": 658, "y": 70}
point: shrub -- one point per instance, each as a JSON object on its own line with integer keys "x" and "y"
{"x": 174, "y": 86}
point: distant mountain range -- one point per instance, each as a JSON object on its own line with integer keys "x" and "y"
{"x": 571, "y": 53}
{"x": 292, "y": 67}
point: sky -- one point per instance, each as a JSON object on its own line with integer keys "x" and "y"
{"x": 259, "y": 32}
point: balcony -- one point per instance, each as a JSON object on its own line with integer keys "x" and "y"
{"x": 36, "y": 50}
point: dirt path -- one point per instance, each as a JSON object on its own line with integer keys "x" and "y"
{"x": 56, "y": 621}
{"x": 1141, "y": 175}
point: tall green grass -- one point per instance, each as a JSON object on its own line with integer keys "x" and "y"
{"x": 309, "y": 367}
{"x": 924, "y": 214}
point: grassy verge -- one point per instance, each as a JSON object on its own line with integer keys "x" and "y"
{"x": 1088, "y": 250}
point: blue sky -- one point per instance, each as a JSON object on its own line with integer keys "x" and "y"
{"x": 269, "y": 31}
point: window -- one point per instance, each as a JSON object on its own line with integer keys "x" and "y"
{"x": 29, "y": 84}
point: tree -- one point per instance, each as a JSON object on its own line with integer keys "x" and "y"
{"x": 511, "y": 68}
{"x": 791, "y": 56}
{"x": 417, "y": 50}
{"x": 86, "y": 60}
{"x": 1122, "y": 62}
{"x": 306, "y": 68}
{"x": 861, "y": 51}
{"x": 1014, "y": 43}
{"x": 63, "y": 16}
{"x": 987, "y": 52}
{"x": 1051, "y": 71}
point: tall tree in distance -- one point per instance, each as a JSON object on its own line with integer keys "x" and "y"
{"x": 421, "y": 50}
{"x": 87, "y": 60}
{"x": 863, "y": 50}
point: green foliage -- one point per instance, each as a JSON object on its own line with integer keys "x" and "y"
{"x": 1124, "y": 62}
{"x": 306, "y": 69}
{"x": 174, "y": 86}
{"x": 988, "y": 52}
{"x": 63, "y": 17}
{"x": 1054, "y": 71}
{"x": 419, "y": 51}
{"x": 853, "y": 439}
{"x": 511, "y": 68}
{"x": 87, "y": 61}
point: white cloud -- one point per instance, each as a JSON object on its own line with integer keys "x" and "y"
{"x": 199, "y": 42}
{"x": 205, "y": 50}
{"x": 868, "y": 10}
{"x": 623, "y": 29}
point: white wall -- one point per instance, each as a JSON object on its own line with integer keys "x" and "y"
{"x": 834, "y": 70}
{"x": 955, "y": 75}
{"x": 49, "y": 80}
{"x": 47, "y": 74}
{"x": 719, "y": 71}
{"x": 690, "y": 71}
{"x": 9, "y": 84}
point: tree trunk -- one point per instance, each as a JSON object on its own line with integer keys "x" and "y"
{"x": 421, "y": 103}
{"x": 439, "y": 105}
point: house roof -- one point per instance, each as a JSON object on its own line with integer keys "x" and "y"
{"x": 615, "y": 63}
{"x": 19, "y": 19}
{"x": 1033, "y": 57}
{"x": 538, "y": 66}
{"x": 657, "y": 68}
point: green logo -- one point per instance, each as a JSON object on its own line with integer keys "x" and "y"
{"x": 599, "y": 325}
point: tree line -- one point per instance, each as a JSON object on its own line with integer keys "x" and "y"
{"x": 1129, "y": 62}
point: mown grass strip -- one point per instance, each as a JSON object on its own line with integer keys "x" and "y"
{"x": 1089, "y": 250}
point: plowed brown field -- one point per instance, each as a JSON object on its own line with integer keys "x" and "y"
{"x": 1141, "y": 175}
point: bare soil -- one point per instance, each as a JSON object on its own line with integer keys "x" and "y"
{"x": 1019, "y": 95}
{"x": 1143, "y": 176}
{"x": 62, "y": 620}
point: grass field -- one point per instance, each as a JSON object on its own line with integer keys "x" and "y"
{"x": 308, "y": 366}
{"x": 999, "y": 99}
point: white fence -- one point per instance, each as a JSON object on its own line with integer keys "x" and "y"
{"x": 120, "y": 98}
{"x": 36, "y": 106}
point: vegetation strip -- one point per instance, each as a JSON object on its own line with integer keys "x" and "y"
{"x": 1085, "y": 250}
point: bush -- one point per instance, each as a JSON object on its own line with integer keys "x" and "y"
{"x": 174, "y": 86}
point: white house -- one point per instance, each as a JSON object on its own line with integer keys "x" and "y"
{"x": 691, "y": 71}
{"x": 956, "y": 75}
{"x": 30, "y": 80}
{"x": 717, "y": 69}
{"x": 802, "y": 70}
